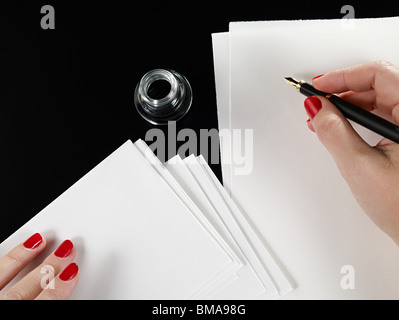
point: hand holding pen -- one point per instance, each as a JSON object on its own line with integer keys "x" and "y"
{"x": 372, "y": 173}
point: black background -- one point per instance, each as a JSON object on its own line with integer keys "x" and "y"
{"x": 67, "y": 94}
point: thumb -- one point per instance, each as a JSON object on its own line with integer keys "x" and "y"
{"x": 345, "y": 145}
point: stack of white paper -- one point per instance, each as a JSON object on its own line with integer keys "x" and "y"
{"x": 144, "y": 230}
{"x": 295, "y": 195}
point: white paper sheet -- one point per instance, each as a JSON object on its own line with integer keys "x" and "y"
{"x": 211, "y": 223}
{"x": 247, "y": 285}
{"x": 295, "y": 195}
{"x": 263, "y": 255}
{"x": 220, "y": 44}
{"x": 129, "y": 245}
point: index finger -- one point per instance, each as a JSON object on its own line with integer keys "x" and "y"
{"x": 19, "y": 257}
{"x": 360, "y": 77}
{"x": 380, "y": 76}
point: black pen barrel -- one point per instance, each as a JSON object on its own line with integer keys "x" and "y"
{"x": 364, "y": 118}
{"x": 308, "y": 90}
{"x": 367, "y": 119}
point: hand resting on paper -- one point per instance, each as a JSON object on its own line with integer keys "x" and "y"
{"x": 54, "y": 279}
{"x": 372, "y": 173}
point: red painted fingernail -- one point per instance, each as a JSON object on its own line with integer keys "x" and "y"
{"x": 312, "y": 106}
{"x": 319, "y": 76}
{"x": 308, "y": 120}
{"x": 34, "y": 241}
{"x": 69, "y": 272}
{"x": 64, "y": 250}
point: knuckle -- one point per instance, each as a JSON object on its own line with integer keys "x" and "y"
{"x": 328, "y": 125}
{"x": 383, "y": 64}
{"x": 13, "y": 258}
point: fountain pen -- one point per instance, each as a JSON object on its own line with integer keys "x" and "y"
{"x": 350, "y": 111}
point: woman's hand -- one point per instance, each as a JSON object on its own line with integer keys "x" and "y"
{"x": 54, "y": 279}
{"x": 372, "y": 173}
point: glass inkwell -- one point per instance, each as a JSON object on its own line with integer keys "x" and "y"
{"x": 163, "y": 95}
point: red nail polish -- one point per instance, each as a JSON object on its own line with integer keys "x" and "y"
{"x": 69, "y": 272}
{"x": 318, "y": 76}
{"x": 64, "y": 250}
{"x": 34, "y": 241}
{"x": 312, "y": 106}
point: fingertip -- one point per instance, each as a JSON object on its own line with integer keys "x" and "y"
{"x": 33, "y": 241}
{"x": 19, "y": 257}
{"x": 63, "y": 285}
{"x": 312, "y": 106}
{"x": 330, "y": 82}
{"x": 34, "y": 245}
{"x": 317, "y": 77}
{"x": 70, "y": 272}
{"x": 318, "y": 81}
{"x": 310, "y": 125}
{"x": 65, "y": 249}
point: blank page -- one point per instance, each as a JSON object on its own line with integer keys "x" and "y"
{"x": 135, "y": 238}
{"x": 262, "y": 254}
{"x": 228, "y": 273}
{"x": 247, "y": 285}
{"x": 220, "y": 45}
{"x": 295, "y": 195}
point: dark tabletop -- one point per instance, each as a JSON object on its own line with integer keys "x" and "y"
{"x": 67, "y": 94}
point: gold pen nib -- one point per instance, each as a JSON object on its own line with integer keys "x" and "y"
{"x": 293, "y": 82}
